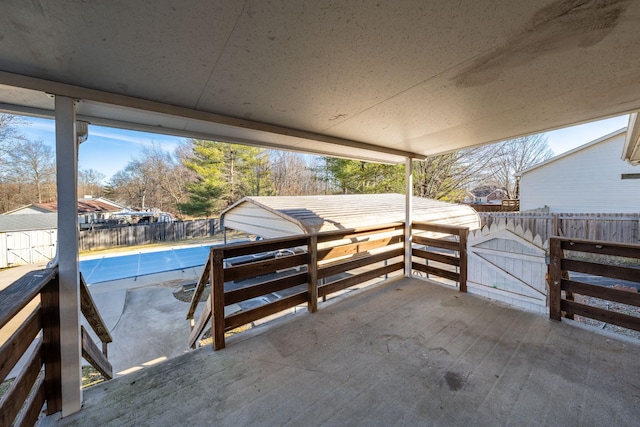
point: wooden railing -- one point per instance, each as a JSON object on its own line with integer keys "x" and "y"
{"x": 317, "y": 265}
{"x": 561, "y": 266}
{"x": 98, "y": 358}
{"x": 34, "y": 329}
{"x": 451, "y": 250}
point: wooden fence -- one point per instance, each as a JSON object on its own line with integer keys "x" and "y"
{"x": 315, "y": 266}
{"x": 445, "y": 252}
{"x": 145, "y": 234}
{"x": 561, "y": 266}
{"x": 610, "y": 227}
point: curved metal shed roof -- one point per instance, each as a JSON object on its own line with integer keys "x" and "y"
{"x": 272, "y": 217}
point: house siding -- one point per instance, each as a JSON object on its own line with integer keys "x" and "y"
{"x": 587, "y": 180}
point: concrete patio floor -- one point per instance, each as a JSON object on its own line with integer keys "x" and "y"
{"x": 406, "y": 352}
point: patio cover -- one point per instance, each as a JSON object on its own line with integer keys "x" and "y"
{"x": 375, "y": 80}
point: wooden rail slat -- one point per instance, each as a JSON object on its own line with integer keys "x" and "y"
{"x": 343, "y": 266}
{"x": 264, "y": 288}
{"x": 606, "y": 293}
{"x": 91, "y": 313}
{"x": 606, "y": 270}
{"x": 439, "y": 228}
{"x": 197, "y": 292}
{"x": 434, "y": 256}
{"x": 436, "y": 243}
{"x": 436, "y": 271}
{"x": 259, "y": 268}
{"x": 33, "y": 405}
{"x": 350, "y": 281}
{"x": 242, "y": 318}
{"x": 13, "y": 399}
{"x": 250, "y": 248}
{"x": 603, "y": 248}
{"x": 94, "y": 356}
{"x": 352, "y": 248}
{"x": 352, "y": 233}
{"x": 199, "y": 326}
{"x": 13, "y": 349}
{"x": 607, "y": 316}
{"x": 17, "y": 295}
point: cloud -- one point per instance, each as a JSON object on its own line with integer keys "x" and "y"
{"x": 140, "y": 139}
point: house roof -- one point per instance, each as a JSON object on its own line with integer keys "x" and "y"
{"x": 289, "y": 215}
{"x": 370, "y": 80}
{"x": 631, "y": 149}
{"x": 85, "y": 206}
{"x": 27, "y": 222}
{"x": 574, "y": 151}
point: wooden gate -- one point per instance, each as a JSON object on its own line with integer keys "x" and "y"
{"x": 508, "y": 264}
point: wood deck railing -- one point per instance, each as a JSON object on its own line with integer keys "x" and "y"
{"x": 561, "y": 266}
{"x": 450, "y": 239}
{"x": 318, "y": 265}
{"x": 34, "y": 329}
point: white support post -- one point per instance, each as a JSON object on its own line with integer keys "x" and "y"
{"x": 408, "y": 204}
{"x": 67, "y": 180}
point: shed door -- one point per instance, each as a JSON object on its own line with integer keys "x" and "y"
{"x": 30, "y": 247}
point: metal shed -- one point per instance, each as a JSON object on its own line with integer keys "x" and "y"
{"x": 272, "y": 217}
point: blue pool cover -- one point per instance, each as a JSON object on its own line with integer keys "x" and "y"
{"x": 110, "y": 268}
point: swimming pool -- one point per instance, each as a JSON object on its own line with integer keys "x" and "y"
{"x": 116, "y": 267}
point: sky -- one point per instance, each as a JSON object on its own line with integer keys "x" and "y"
{"x": 108, "y": 150}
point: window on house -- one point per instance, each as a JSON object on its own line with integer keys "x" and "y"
{"x": 630, "y": 176}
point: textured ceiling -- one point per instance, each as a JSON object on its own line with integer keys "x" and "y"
{"x": 377, "y": 80}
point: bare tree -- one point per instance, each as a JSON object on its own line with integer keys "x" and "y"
{"x": 32, "y": 162}
{"x": 9, "y": 135}
{"x": 90, "y": 183}
{"x": 516, "y": 155}
{"x": 153, "y": 179}
{"x": 449, "y": 176}
{"x": 291, "y": 175}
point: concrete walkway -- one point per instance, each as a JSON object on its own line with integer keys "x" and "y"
{"x": 404, "y": 353}
{"x": 147, "y": 323}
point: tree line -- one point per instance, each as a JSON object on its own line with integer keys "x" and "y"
{"x": 201, "y": 178}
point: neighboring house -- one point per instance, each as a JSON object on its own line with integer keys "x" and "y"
{"x": 589, "y": 178}
{"x": 486, "y": 194}
{"x": 90, "y": 210}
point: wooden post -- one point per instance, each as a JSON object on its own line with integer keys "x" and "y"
{"x": 556, "y": 225}
{"x": 217, "y": 298}
{"x": 555, "y": 276}
{"x": 50, "y": 303}
{"x": 463, "y": 259}
{"x": 312, "y": 274}
{"x": 408, "y": 218}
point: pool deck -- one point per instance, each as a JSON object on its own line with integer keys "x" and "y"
{"x": 406, "y": 352}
